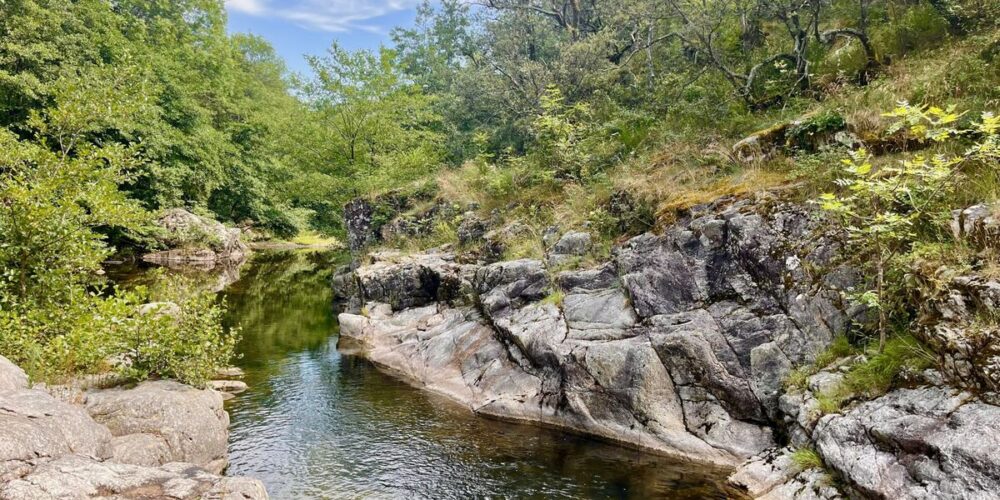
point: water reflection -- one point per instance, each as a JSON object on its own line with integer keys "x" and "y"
{"x": 319, "y": 424}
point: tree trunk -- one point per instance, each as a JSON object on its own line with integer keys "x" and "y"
{"x": 880, "y": 291}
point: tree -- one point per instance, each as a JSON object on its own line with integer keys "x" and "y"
{"x": 385, "y": 128}
{"x": 883, "y": 210}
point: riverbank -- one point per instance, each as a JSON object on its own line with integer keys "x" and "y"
{"x": 714, "y": 342}
{"x": 157, "y": 439}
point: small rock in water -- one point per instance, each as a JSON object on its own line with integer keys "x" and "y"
{"x": 229, "y": 373}
{"x": 230, "y": 386}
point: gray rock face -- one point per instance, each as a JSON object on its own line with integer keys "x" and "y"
{"x": 512, "y": 284}
{"x": 190, "y": 422}
{"x": 358, "y": 215}
{"x": 472, "y": 229}
{"x": 193, "y": 239}
{"x": 969, "y": 348}
{"x": 415, "y": 282}
{"x": 53, "y": 449}
{"x": 36, "y": 428}
{"x": 570, "y": 245}
{"x": 679, "y": 344}
{"x": 12, "y": 377}
{"x": 916, "y": 443}
{"x": 978, "y": 224}
{"x": 75, "y": 476}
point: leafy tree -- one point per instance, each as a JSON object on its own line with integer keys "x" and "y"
{"x": 884, "y": 210}
{"x": 385, "y": 128}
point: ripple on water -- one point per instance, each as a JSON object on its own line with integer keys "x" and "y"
{"x": 319, "y": 424}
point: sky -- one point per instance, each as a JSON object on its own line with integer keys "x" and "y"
{"x": 297, "y": 27}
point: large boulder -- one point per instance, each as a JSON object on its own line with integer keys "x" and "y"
{"x": 178, "y": 423}
{"x": 507, "y": 285}
{"x": 76, "y": 476}
{"x": 414, "y": 281}
{"x": 36, "y": 428}
{"x": 197, "y": 240}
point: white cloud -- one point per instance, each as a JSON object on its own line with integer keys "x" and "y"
{"x": 252, "y": 7}
{"x": 325, "y": 15}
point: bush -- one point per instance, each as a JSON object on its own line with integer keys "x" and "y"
{"x": 95, "y": 334}
{"x": 920, "y": 28}
{"x": 187, "y": 343}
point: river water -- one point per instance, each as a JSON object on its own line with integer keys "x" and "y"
{"x": 320, "y": 424}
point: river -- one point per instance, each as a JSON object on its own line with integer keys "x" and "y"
{"x": 317, "y": 423}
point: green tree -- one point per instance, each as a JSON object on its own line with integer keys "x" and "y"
{"x": 885, "y": 210}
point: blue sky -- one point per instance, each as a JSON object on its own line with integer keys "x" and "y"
{"x": 297, "y": 27}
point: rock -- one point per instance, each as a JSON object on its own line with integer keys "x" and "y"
{"x": 229, "y": 386}
{"x": 978, "y": 224}
{"x": 190, "y": 422}
{"x": 916, "y": 443}
{"x": 512, "y": 284}
{"x": 680, "y": 344}
{"x": 140, "y": 449}
{"x": 415, "y": 282}
{"x": 598, "y": 314}
{"x": 12, "y": 377}
{"x": 573, "y": 243}
{"x": 969, "y": 349}
{"x": 169, "y": 309}
{"x": 75, "y": 476}
{"x": 759, "y": 145}
{"x": 658, "y": 279}
{"x": 36, "y": 428}
{"x": 773, "y": 475}
{"x": 358, "y": 215}
{"x": 229, "y": 373}
{"x": 807, "y": 133}
{"x": 472, "y": 229}
{"x": 195, "y": 239}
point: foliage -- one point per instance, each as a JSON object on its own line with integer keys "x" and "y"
{"x": 879, "y": 372}
{"x": 884, "y": 210}
{"x": 189, "y": 345}
{"x": 58, "y": 184}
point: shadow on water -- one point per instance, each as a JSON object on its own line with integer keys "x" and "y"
{"x": 317, "y": 423}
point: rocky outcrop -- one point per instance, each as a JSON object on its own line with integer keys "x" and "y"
{"x": 678, "y": 345}
{"x": 191, "y": 239}
{"x": 928, "y": 443}
{"x": 164, "y": 419}
{"x": 158, "y": 440}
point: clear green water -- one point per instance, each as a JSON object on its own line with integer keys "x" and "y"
{"x": 319, "y": 424}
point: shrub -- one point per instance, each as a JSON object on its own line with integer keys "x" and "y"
{"x": 187, "y": 345}
{"x": 920, "y": 28}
